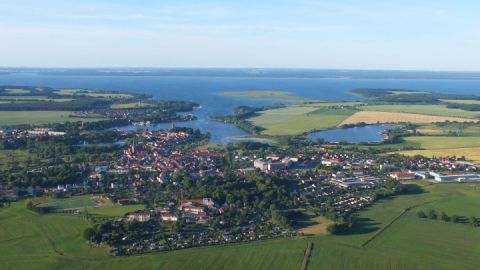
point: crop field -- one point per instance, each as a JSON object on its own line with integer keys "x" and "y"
{"x": 471, "y": 153}
{"x": 375, "y": 117}
{"x": 17, "y": 91}
{"x": 437, "y": 110}
{"x": 24, "y": 97}
{"x": 441, "y": 142}
{"x": 132, "y": 105}
{"x": 73, "y": 91}
{"x": 461, "y": 101}
{"x": 331, "y": 104}
{"x": 54, "y": 241}
{"x": 39, "y": 117}
{"x": 297, "y": 120}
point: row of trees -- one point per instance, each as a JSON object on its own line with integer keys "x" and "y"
{"x": 432, "y": 214}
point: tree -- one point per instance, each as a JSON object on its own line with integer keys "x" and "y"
{"x": 89, "y": 234}
{"x": 444, "y": 217}
{"x": 455, "y": 219}
{"x": 474, "y": 221}
{"x": 421, "y": 214}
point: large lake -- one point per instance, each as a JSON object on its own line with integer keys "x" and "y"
{"x": 206, "y": 91}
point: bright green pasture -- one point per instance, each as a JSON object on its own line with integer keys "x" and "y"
{"x": 461, "y": 101}
{"x": 297, "y": 120}
{"x": 76, "y": 202}
{"x": 79, "y": 91}
{"x": 8, "y": 118}
{"x": 115, "y": 210}
{"x": 438, "y": 110}
{"x": 441, "y": 142}
{"x": 17, "y": 91}
{"x": 132, "y": 105}
{"x": 54, "y": 241}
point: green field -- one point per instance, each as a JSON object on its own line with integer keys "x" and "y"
{"x": 132, "y": 105}
{"x": 77, "y": 202}
{"x": 54, "y": 241}
{"x": 461, "y": 101}
{"x": 438, "y": 110}
{"x": 17, "y": 91}
{"x": 39, "y": 117}
{"x": 91, "y": 93}
{"x": 468, "y": 146}
{"x": 24, "y": 97}
{"x": 297, "y": 120}
{"x": 331, "y": 104}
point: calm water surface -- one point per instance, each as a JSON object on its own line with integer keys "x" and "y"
{"x": 206, "y": 91}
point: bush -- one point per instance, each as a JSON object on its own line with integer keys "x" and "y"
{"x": 455, "y": 219}
{"x": 444, "y": 217}
{"x": 89, "y": 234}
{"x": 421, "y": 214}
{"x": 432, "y": 214}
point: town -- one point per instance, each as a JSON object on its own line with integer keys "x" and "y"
{"x": 196, "y": 195}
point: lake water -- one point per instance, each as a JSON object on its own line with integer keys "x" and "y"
{"x": 370, "y": 133}
{"x": 206, "y": 91}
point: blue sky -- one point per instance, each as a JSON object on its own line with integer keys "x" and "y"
{"x": 347, "y": 34}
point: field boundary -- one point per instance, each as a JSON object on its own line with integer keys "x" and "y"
{"x": 306, "y": 256}
{"x": 403, "y": 213}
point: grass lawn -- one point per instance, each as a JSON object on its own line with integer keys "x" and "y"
{"x": 115, "y": 210}
{"x": 297, "y": 120}
{"x": 54, "y": 241}
{"x": 8, "y": 118}
{"x": 76, "y": 202}
{"x": 96, "y": 205}
{"x": 438, "y": 110}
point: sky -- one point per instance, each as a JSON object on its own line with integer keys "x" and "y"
{"x": 341, "y": 34}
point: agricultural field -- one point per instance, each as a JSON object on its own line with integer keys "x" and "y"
{"x": 17, "y": 91}
{"x": 461, "y": 101}
{"x": 91, "y": 93}
{"x": 376, "y": 117}
{"x": 436, "y": 110}
{"x": 386, "y": 237}
{"x": 331, "y": 104}
{"x": 8, "y": 118}
{"x": 439, "y": 144}
{"x": 297, "y": 120}
{"x": 132, "y": 105}
{"x": 27, "y": 98}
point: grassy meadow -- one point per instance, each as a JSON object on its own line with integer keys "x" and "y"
{"x": 436, "y": 110}
{"x": 467, "y": 145}
{"x": 8, "y": 118}
{"x": 297, "y": 120}
{"x": 54, "y": 241}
